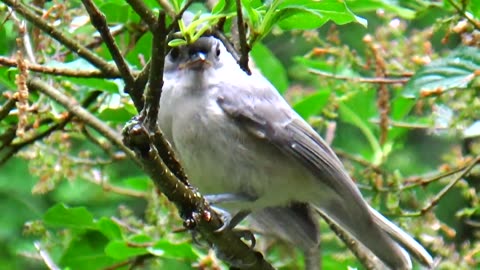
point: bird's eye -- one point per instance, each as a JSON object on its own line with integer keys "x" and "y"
{"x": 174, "y": 53}
{"x": 218, "y": 51}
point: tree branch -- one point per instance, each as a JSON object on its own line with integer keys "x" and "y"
{"x": 61, "y": 37}
{"x": 144, "y": 12}
{"x": 244, "y": 48}
{"x": 191, "y": 205}
{"x": 76, "y": 109}
{"x": 98, "y": 20}
{"x": 7, "y": 107}
{"x": 58, "y": 71}
{"x": 368, "y": 260}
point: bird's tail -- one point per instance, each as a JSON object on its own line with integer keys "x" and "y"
{"x": 402, "y": 238}
{"x": 376, "y": 233}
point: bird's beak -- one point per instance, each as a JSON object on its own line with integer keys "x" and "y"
{"x": 198, "y": 60}
{"x": 198, "y": 56}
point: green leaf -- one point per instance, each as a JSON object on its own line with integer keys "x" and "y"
{"x": 142, "y": 50}
{"x": 334, "y": 10}
{"x": 121, "y": 250}
{"x": 400, "y": 107}
{"x": 62, "y": 216}
{"x": 178, "y": 264}
{"x": 109, "y": 228}
{"x": 357, "y": 110}
{"x": 7, "y": 77}
{"x": 167, "y": 249}
{"x": 138, "y": 183}
{"x": 474, "y": 7}
{"x": 118, "y": 12}
{"x": 312, "y": 104}
{"x": 326, "y": 66}
{"x": 199, "y": 26}
{"x": 110, "y": 86}
{"x": 85, "y": 251}
{"x": 455, "y": 71}
{"x": 363, "y": 6}
{"x": 177, "y": 5}
{"x": 252, "y": 14}
{"x": 270, "y": 67}
{"x": 7, "y": 37}
{"x": 177, "y": 42}
{"x": 117, "y": 114}
{"x": 348, "y": 114}
{"x": 219, "y": 7}
{"x": 299, "y": 18}
{"x": 115, "y": 109}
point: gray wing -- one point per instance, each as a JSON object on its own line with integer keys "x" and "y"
{"x": 267, "y": 116}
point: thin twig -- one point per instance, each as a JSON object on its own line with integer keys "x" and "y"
{"x": 25, "y": 42}
{"x": 59, "y": 71}
{"x": 155, "y": 85}
{"x": 358, "y": 160}
{"x": 14, "y": 148}
{"x": 410, "y": 125}
{"x": 116, "y": 189}
{"x": 76, "y": 109}
{"x": 192, "y": 206}
{"x": 444, "y": 191}
{"x": 360, "y": 80}
{"x": 226, "y": 42}
{"x": 383, "y": 95}
{"x": 123, "y": 191}
{"x": 8, "y": 136}
{"x": 118, "y": 265}
{"x": 330, "y": 132}
{"x": 22, "y": 93}
{"x": 244, "y": 48}
{"x": 45, "y": 257}
{"x": 106, "y": 147}
{"x": 98, "y": 41}
{"x": 98, "y": 20}
{"x": 7, "y": 107}
{"x": 187, "y": 200}
{"x": 424, "y": 182}
{"x": 368, "y": 260}
{"x": 178, "y": 16}
{"x": 145, "y": 13}
{"x": 461, "y": 10}
{"x": 167, "y": 7}
{"x": 141, "y": 78}
{"x": 152, "y": 99}
{"x": 70, "y": 43}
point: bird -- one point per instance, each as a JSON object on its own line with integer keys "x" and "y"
{"x": 243, "y": 146}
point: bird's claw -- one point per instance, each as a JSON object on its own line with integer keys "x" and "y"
{"x": 230, "y": 222}
{"x": 247, "y": 235}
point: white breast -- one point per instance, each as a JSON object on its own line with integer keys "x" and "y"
{"x": 220, "y": 157}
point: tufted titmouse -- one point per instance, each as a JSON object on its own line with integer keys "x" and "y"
{"x": 239, "y": 140}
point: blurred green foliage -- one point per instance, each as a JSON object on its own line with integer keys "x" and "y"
{"x": 75, "y": 196}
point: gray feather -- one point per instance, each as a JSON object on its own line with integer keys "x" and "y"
{"x": 294, "y": 137}
{"x": 235, "y": 134}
